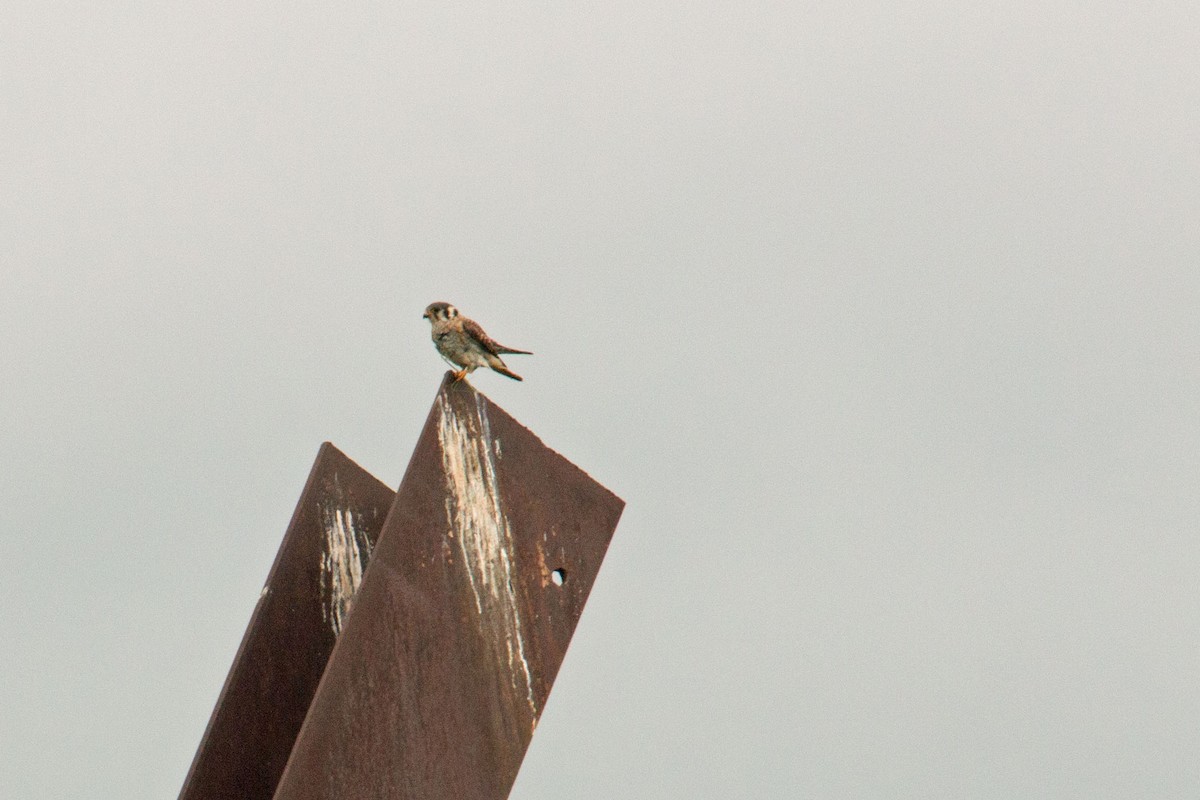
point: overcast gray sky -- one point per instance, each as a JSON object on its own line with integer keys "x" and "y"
{"x": 881, "y": 316}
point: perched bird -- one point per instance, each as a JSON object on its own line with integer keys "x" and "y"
{"x": 464, "y": 344}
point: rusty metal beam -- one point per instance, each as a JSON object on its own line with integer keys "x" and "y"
{"x": 462, "y": 620}
{"x": 291, "y": 632}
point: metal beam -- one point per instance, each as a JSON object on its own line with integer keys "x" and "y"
{"x": 463, "y": 617}
{"x": 291, "y": 633}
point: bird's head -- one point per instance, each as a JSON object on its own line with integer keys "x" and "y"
{"x": 439, "y": 310}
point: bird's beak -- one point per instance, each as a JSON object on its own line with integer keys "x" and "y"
{"x": 425, "y": 316}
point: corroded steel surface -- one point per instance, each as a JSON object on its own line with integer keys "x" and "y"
{"x": 463, "y": 617}
{"x": 291, "y": 632}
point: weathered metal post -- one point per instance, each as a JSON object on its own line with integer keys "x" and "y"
{"x": 462, "y": 619}
{"x": 291, "y": 632}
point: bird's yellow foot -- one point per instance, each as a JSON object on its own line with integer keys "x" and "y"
{"x": 459, "y": 375}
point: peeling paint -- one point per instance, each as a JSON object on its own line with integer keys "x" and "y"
{"x": 347, "y": 550}
{"x": 476, "y": 514}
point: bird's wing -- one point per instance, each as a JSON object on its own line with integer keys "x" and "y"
{"x": 472, "y": 329}
{"x": 475, "y": 332}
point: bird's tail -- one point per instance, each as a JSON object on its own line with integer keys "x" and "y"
{"x": 507, "y": 350}
{"x": 503, "y": 370}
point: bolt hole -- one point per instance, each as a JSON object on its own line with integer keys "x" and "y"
{"x": 559, "y": 576}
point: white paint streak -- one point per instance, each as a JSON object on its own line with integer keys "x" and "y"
{"x": 341, "y": 564}
{"x": 477, "y": 522}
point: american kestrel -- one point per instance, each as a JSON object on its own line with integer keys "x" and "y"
{"x": 464, "y": 344}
